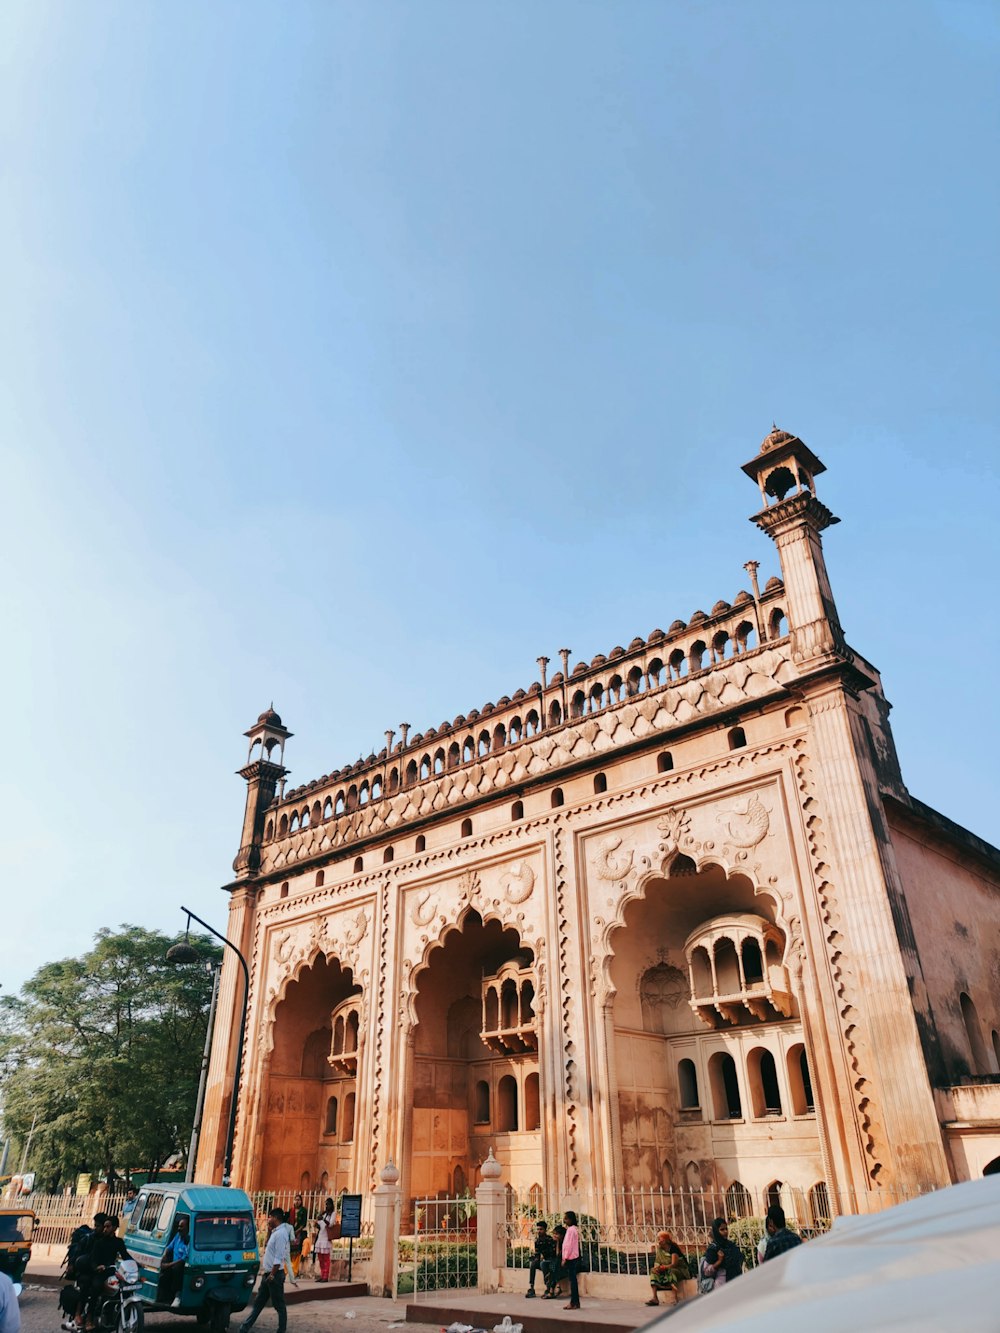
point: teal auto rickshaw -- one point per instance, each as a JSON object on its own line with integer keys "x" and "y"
{"x": 222, "y": 1260}
{"x": 16, "y": 1226}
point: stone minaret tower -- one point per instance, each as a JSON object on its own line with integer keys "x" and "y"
{"x": 263, "y": 771}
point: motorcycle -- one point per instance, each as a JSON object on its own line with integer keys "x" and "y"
{"x": 121, "y": 1301}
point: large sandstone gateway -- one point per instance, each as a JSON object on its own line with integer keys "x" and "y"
{"x": 667, "y": 918}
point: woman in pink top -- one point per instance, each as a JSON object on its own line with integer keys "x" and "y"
{"x": 571, "y": 1259}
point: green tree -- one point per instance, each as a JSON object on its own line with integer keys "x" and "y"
{"x": 104, "y": 1053}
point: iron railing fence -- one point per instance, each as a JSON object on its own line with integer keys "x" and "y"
{"x": 442, "y": 1252}
{"x": 314, "y": 1202}
{"x": 619, "y": 1235}
{"x": 58, "y": 1215}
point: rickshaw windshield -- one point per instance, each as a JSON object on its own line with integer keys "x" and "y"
{"x": 15, "y": 1227}
{"x": 221, "y": 1232}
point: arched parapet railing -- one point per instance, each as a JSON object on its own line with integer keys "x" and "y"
{"x": 737, "y": 945}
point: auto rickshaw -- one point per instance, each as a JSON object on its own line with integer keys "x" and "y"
{"x": 16, "y": 1226}
{"x": 222, "y": 1261}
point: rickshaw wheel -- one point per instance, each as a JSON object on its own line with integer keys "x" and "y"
{"x": 220, "y": 1317}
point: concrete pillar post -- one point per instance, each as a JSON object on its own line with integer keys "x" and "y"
{"x": 383, "y": 1273}
{"x": 491, "y": 1215}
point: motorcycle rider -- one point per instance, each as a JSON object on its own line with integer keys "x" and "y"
{"x": 105, "y": 1249}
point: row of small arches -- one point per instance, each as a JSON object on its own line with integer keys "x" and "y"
{"x": 678, "y": 665}
{"x": 504, "y": 1115}
{"x": 762, "y": 1083}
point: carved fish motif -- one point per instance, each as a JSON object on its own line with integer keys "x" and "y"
{"x": 609, "y": 867}
{"x": 283, "y": 947}
{"x": 518, "y": 882}
{"x": 423, "y": 909}
{"x": 354, "y": 934}
{"x": 749, "y": 827}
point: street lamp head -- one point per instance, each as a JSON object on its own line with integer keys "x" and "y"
{"x": 183, "y": 952}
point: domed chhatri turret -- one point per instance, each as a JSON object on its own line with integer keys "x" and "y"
{"x": 793, "y": 516}
{"x": 263, "y": 771}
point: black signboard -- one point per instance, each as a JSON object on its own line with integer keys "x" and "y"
{"x": 350, "y": 1215}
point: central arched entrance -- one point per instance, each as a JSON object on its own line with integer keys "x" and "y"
{"x": 310, "y": 1108}
{"x": 475, "y": 1071}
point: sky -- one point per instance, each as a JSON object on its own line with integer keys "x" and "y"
{"x": 353, "y": 355}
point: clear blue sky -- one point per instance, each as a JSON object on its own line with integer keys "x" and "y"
{"x": 353, "y": 355}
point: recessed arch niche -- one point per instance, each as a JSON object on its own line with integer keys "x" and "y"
{"x": 301, "y": 1083}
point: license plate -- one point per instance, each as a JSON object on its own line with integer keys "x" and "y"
{"x": 249, "y": 1255}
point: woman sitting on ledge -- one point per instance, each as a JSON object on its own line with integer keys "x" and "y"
{"x": 670, "y": 1268}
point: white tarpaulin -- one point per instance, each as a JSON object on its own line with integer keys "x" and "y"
{"x": 931, "y": 1264}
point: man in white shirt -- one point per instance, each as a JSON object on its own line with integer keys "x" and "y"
{"x": 272, "y": 1273}
{"x": 10, "y": 1311}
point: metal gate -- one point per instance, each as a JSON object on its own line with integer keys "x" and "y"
{"x": 444, "y": 1252}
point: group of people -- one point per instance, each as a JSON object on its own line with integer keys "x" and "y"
{"x": 723, "y": 1258}
{"x": 93, "y": 1253}
{"x": 556, "y": 1257}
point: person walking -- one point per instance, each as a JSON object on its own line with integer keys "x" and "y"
{"x": 10, "y": 1311}
{"x": 571, "y": 1258}
{"x": 299, "y": 1220}
{"x": 780, "y": 1239}
{"x": 272, "y": 1273}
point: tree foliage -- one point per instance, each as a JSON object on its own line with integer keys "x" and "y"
{"x": 104, "y": 1053}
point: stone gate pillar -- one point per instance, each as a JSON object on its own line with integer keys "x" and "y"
{"x": 385, "y": 1251}
{"x": 491, "y": 1216}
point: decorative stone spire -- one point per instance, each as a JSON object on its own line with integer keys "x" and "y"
{"x": 491, "y": 1168}
{"x": 793, "y": 517}
{"x": 263, "y": 771}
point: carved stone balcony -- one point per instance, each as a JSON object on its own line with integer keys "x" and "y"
{"x": 736, "y": 971}
{"x": 346, "y": 1024}
{"x": 509, "y": 1024}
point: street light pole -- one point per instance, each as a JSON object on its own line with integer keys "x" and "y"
{"x": 199, "y": 1106}
{"x": 186, "y": 953}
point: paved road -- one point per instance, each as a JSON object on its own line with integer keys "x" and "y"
{"x": 40, "y": 1314}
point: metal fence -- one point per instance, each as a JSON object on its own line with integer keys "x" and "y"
{"x": 619, "y": 1236}
{"x": 314, "y": 1202}
{"x": 60, "y": 1214}
{"x": 442, "y": 1251}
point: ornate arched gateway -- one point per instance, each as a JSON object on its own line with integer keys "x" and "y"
{"x": 666, "y": 916}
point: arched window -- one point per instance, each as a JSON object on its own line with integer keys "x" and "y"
{"x": 359, "y": 865}
{"x": 320, "y": 878}
{"x": 596, "y": 698}
{"x": 454, "y": 755}
{"x": 269, "y": 831}
{"x": 284, "y": 890}
{"x": 331, "y": 1116}
{"x": 974, "y": 1031}
{"x": 721, "y": 646}
{"x": 772, "y": 1194}
{"x": 387, "y": 855}
{"x": 282, "y": 826}
{"x": 352, "y": 797}
{"x": 484, "y": 743}
{"x": 635, "y": 682}
{"x": 799, "y": 1082}
{"x": 600, "y": 784}
{"x": 555, "y": 713}
{"x": 347, "y": 1134}
{"x": 615, "y": 688}
{"x": 654, "y": 673}
{"x": 482, "y": 1110}
{"x": 468, "y": 750}
{"x": 508, "y": 1005}
{"x": 578, "y": 704}
{"x": 466, "y": 828}
{"x": 765, "y": 1095}
{"x": 327, "y": 808}
{"x": 339, "y": 805}
{"x": 678, "y": 664}
{"x": 777, "y": 627}
{"x": 746, "y": 637}
{"x": 726, "y": 1103}
{"x": 692, "y": 1174}
{"x": 514, "y": 734}
{"x": 338, "y": 1036}
{"x": 393, "y": 781}
{"x": 421, "y": 843}
{"x": 499, "y": 736}
{"x": 306, "y": 821}
{"x": 507, "y": 1104}
{"x": 439, "y": 761}
{"x": 687, "y": 1083}
{"x": 517, "y": 810}
{"x": 532, "y": 1105}
{"x": 664, "y": 762}
{"x": 738, "y": 1201}
{"x": 819, "y": 1204}
{"x": 293, "y": 825}
{"x": 737, "y": 738}
{"x": 411, "y": 772}
{"x": 696, "y": 656}
{"x": 531, "y": 723}
{"x": 557, "y": 797}
{"x": 992, "y": 1168}
{"x": 425, "y": 768}
{"x": 491, "y": 1010}
{"x": 727, "y": 968}
{"x": 753, "y": 963}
